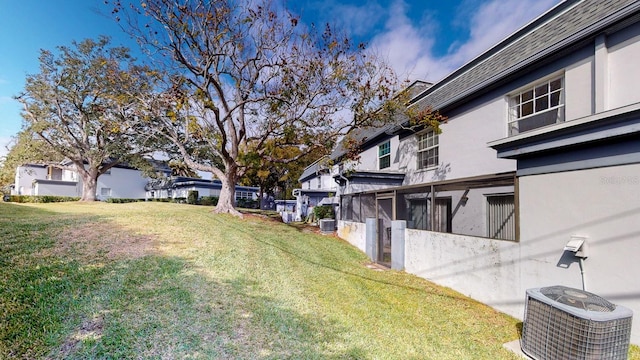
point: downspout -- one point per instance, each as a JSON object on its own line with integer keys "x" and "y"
{"x": 345, "y": 187}
{"x": 345, "y": 179}
{"x": 433, "y": 213}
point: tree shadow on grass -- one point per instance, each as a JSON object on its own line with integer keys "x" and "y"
{"x": 158, "y": 307}
{"x": 77, "y": 300}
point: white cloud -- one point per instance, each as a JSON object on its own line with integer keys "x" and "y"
{"x": 494, "y": 21}
{"x": 357, "y": 20}
{"x": 409, "y": 46}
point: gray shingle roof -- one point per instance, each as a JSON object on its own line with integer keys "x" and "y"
{"x": 309, "y": 171}
{"x": 566, "y": 24}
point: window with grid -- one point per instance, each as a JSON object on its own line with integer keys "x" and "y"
{"x": 501, "y": 217}
{"x": 243, "y": 195}
{"x": 427, "y": 150}
{"x": 384, "y": 155}
{"x": 536, "y": 106}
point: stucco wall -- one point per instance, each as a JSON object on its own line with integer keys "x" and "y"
{"x": 602, "y": 204}
{"x": 484, "y": 269}
{"x": 624, "y": 73}
{"x": 579, "y": 89}
{"x": 463, "y": 149}
{"x": 25, "y": 176}
{"x": 369, "y": 157}
{"x": 354, "y": 233}
{"x": 56, "y": 189}
{"x": 124, "y": 183}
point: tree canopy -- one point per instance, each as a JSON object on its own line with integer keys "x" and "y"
{"x": 79, "y": 105}
{"x": 247, "y": 77}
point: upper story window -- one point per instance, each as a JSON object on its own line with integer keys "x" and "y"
{"x": 427, "y": 150}
{"x": 54, "y": 173}
{"x": 537, "y": 105}
{"x": 384, "y": 155}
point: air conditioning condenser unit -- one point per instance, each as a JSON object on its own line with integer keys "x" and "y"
{"x": 566, "y": 323}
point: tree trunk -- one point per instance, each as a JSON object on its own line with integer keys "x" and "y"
{"x": 227, "y": 197}
{"x": 89, "y": 187}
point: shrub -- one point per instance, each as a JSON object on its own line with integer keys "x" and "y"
{"x": 122, "y": 200}
{"x": 247, "y": 203}
{"x": 324, "y": 212}
{"x": 192, "y": 197}
{"x": 209, "y": 200}
{"x": 41, "y": 198}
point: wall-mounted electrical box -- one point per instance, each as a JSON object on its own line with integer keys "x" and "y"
{"x": 578, "y": 245}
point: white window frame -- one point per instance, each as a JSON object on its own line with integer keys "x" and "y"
{"x": 386, "y": 144}
{"x": 243, "y": 194}
{"x": 434, "y": 147}
{"x": 539, "y": 96}
{"x": 105, "y": 192}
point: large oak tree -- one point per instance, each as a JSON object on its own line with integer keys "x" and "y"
{"x": 245, "y": 74}
{"x": 80, "y": 103}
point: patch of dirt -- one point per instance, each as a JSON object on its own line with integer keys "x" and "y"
{"x": 376, "y": 267}
{"x": 90, "y": 329}
{"x": 100, "y": 240}
{"x": 265, "y": 217}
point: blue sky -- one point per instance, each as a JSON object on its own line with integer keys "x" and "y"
{"x": 423, "y": 39}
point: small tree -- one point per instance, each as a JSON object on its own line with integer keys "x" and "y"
{"x": 79, "y": 103}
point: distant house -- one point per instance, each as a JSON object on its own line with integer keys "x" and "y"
{"x": 318, "y": 188}
{"x": 176, "y": 187}
{"x": 541, "y": 146}
{"x": 121, "y": 181}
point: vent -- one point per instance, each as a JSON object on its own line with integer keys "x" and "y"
{"x": 566, "y": 323}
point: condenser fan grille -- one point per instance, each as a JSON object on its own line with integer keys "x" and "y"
{"x": 554, "y": 330}
{"x": 577, "y": 298}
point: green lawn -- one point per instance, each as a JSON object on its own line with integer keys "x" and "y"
{"x": 159, "y": 280}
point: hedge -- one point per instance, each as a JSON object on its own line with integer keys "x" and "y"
{"x": 41, "y": 198}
